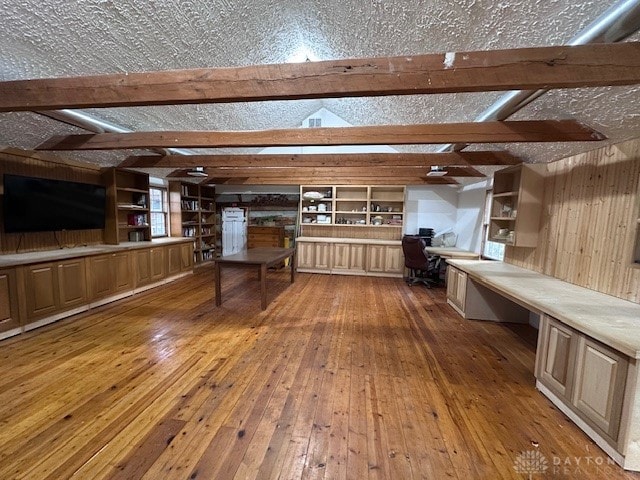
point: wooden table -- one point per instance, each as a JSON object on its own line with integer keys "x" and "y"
{"x": 264, "y": 257}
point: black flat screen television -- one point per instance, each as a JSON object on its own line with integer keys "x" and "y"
{"x": 42, "y": 205}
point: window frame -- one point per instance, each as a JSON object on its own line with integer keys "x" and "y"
{"x": 490, "y": 250}
{"x": 164, "y": 211}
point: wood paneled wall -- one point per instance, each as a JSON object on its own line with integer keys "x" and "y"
{"x": 589, "y": 222}
{"x": 19, "y": 162}
{"x": 346, "y": 231}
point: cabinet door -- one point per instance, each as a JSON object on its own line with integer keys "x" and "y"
{"x": 305, "y": 255}
{"x": 452, "y": 283}
{"x": 375, "y": 258}
{"x": 72, "y": 283}
{"x": 186, "y": 256}
{"x": 123, "y": 272}
{"x": 174, "y": 260}
{"x": 8, "y": 300}
{"x": 322, "y": 256}
{"x": 100, "y": 276}
{"x": 143, "y": 266}
{"x": 357, "y": 257}
{"x": 599, "y": 385}
{"x": 341, "y": 256}
{"x": 461, "y": 289}
{"x": 393, "y": 259}
{"x": 557, "y": 356}
{"x": 42, "y": 289}
{"x": 157, "y": 263}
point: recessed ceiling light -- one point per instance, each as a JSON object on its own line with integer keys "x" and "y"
{"x": 197, "y": 172}
{"x": 437, "y": 172}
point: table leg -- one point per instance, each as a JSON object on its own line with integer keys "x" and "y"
{"x": 218, "y": 286}
{"x": 293, "y": 266}
{"x": 263, "y": 286}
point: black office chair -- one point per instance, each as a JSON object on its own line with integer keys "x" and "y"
{"x": 423, "y": 268}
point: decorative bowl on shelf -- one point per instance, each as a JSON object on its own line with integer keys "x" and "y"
{"x": 312, "y": 195}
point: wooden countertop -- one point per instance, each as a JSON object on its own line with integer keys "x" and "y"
{"x": 452, "y": 252}
{"x": 368, "y": 241}
{"x": 27, "y": 258}
{"x": 612, "y": 321}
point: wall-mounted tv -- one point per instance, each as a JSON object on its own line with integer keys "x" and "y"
{"x": 42, "y": 205}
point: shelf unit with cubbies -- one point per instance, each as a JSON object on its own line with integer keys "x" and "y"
{"x": 353, "y": 205}
{"x": 207, "y": 244}
{"x": 314, "y": 209}
{"x": 128, "y": 219}
{"x": 387, "y": 204}
{"x": 516, "y": 205}
{"x": 193, "y": 215}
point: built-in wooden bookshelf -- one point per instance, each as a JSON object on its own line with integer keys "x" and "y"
{"x": 381, "y": 206}
{"x": 193, "y": 215}
{"x": 128, "y": 217}
{"x": 516, "y": 206}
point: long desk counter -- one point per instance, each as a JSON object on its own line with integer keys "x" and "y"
{"x": 27, "y": 258}
{"x": 613, "y": 321}
{"x": 452, "y": 252}
{"x": 587, "y": 351}
{"x": 38, "y": 288}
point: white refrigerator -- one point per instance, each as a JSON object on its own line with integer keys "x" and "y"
{"x": 234, "y": 230}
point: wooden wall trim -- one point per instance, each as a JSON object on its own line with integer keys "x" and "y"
{"x": 589, "y": 222}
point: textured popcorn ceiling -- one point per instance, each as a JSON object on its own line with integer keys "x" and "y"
{"x": 47, "y": 38}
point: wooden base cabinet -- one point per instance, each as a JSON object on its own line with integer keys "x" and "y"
{"x": 475, "y": 301}
{"x": 109, "y": 275}
{"x": 385, "y": 260}
{"x": 456, "y": 289}
{"x": 41, "y": 290}
{"x": 72, "y": 283}
{"x": 179, "y": 259}
{"x": 589, "y": 378}
{"x": 350, "y": 258}
{"x": 600, "y": 376}
{"x": 32, "y": 295}
{"x": 55, "y": 287}
{"x": 306, "y": 256}
{"x": 557, "y": 356}
{"x": 9, "y": 314}
{"x": 322, "y": 256}
{"x": 150, "y": 266}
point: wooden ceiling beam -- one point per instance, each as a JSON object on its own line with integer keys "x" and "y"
{"x": 342, "y": 172}
{"x": 330, "y": 160}
{"x": 333, "y": 181}
{"x": 524, "y": 68}
{"x": 440, "y": 133}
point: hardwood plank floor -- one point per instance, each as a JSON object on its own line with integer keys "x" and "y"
{"x": 341, "y": 377}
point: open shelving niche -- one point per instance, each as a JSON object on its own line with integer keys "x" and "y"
{"x": 129, "y": 217}
{"x": 193, "y": 215}
{"x": 353, "y": 205}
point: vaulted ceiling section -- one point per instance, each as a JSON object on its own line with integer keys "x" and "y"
{"x": 45, "y": 39}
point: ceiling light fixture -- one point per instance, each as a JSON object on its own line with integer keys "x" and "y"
{"x": 197, "y": 172}
{"x": 437, "y": 172}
